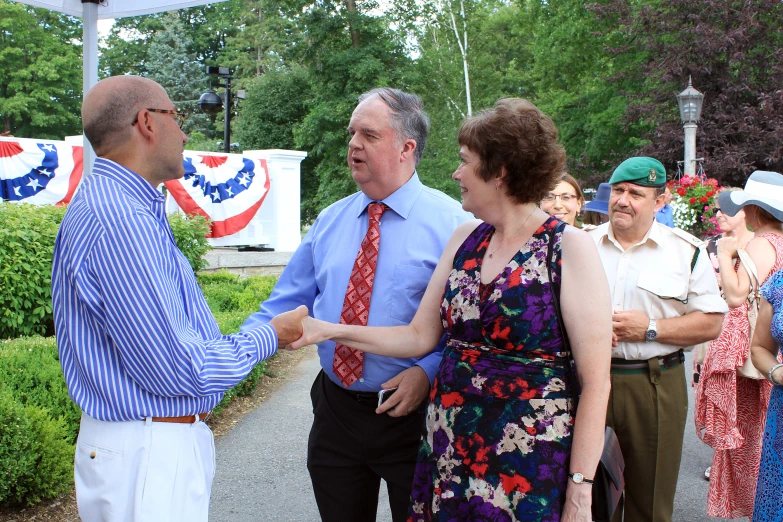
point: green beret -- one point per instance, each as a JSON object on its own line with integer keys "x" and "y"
{"x": 647, "y": 172}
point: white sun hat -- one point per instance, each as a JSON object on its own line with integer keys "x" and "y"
{"x": 763, "y": 189}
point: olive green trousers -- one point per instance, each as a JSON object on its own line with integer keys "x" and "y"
{"x": 647, "y": 409}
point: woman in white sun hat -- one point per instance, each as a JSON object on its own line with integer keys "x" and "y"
{"x": 731, "y": 408}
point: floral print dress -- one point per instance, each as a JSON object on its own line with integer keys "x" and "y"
{"x": 499, "y": 419}
{"x": 769, "y": 493}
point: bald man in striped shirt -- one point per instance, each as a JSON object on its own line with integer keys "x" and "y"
{"x": 140, "y": 350}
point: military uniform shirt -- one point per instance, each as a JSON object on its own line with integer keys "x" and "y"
{"x": 655, "y": 277}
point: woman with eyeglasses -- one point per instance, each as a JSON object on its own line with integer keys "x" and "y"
{"x": 730, "y": 409}
{"x": 565, "y": 201}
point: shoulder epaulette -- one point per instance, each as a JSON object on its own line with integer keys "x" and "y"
{"x": 693, "y": 240}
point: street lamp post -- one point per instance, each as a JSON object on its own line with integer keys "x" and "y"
{"x": 690, "y": 101}
{"x": 211, "y": 103}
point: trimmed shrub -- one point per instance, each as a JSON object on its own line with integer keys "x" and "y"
{"x": 27, "y": 234}
{"x": 30, "y": 369}
{"x": 36, "y": 456}
{"x": 190, "y": 234}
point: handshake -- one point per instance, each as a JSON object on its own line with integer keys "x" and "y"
{"x": 296, "y": 330}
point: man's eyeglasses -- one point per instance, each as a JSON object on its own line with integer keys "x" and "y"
{"x": 717, "y": 211}
{"x": 564, "y": 197}
{"x": 180, "y": 117}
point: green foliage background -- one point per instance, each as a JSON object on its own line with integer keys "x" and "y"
{"x": 607, "y": 73}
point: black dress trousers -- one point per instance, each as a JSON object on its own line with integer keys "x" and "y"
{"x": 351, "y": 448}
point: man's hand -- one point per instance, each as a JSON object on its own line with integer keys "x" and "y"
{"x": 288, "y": 326}
{"x": 314, "y": 332}
{"x": 629, "y": 326}
{"x": 413, "y": 386}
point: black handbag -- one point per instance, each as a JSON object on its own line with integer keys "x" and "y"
{"x": 609, "y": 481}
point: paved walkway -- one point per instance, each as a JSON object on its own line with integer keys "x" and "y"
{"x": 262, "y": 475}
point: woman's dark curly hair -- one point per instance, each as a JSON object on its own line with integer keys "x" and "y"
{"x": 515, "y": 134}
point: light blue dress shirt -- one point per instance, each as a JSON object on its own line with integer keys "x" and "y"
{"x": 665, "y": 216}
{"x": 414, "y": 233}
{"x": 134, "y": 332}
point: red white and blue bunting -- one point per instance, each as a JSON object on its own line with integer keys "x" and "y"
{"x": 39, "y": 172}
{"x": 227, "y": 189}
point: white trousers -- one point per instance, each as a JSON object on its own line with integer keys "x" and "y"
{"x": 143, "y": 471}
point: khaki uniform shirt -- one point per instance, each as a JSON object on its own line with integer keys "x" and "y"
{"x": 655, "y": 278}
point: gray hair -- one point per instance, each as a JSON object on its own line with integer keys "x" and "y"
{"x": 409, "y": 120}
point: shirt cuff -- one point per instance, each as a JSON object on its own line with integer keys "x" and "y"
{"x": 265, "y": 338}
{"x": 430, "y": 365}
{"x": 708, "y": 304}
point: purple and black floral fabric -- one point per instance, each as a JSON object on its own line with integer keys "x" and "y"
{"x": 499, "y": 420}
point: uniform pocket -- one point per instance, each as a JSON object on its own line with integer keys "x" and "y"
{"x": 409, "y": 283}
{"x": 663, "y": 286}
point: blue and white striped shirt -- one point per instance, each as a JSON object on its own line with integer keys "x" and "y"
{"x": 135, "y": 335}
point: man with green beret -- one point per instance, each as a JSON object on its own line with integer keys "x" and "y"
{"x": 664, "y": 298}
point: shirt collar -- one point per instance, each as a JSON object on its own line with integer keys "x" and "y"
{"x": 138, "y": 187}
{"x": 400, "y": 201}
{"x": 653, "y": 234}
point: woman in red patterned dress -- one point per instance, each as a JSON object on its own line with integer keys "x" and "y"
{"x": 731, "y": 409}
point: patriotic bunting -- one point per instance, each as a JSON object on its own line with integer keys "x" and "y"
{"x": 227, "y": 189}
{"x": 40, "y": 173}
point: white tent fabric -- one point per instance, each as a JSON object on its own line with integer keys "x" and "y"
{"x": 116, "y": 8}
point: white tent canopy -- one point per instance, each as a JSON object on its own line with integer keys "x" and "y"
{"x": 91, "y": 11}
{"x": 115, "y": 8}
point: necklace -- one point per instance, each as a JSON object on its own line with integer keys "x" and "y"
{"x": 514, "y": 234}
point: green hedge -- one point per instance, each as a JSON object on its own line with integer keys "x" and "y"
{"x": 27, "y": 234}
{"x": 39, "y": 422}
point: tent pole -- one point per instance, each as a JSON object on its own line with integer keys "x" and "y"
{"x": 90, "y": 56}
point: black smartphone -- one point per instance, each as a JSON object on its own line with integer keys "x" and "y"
{"x": 383, "y": 395}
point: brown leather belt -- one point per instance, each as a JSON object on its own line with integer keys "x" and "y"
{"x": 667, "y": 361}
{"x": 185, "y": 419}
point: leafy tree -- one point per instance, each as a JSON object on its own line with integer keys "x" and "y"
{"x": 574, "y": 80}
{"x": 734, "y": 51}
{"x": 40, "y": 72}
{"x": 178, "y": 71}
{"x": 339, "y": 73}
{"x": 275, "y": 103}
{"x": 125, "y": 50}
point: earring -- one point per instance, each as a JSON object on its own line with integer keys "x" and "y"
{"x": 497, "y": 186}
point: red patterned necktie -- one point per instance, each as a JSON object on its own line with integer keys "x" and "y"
{"x": 348, "y": 364}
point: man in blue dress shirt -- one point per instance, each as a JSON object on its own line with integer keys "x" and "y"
{"x": 665, "y": 214}
{"x": 141, "y": 352}
{"x": 354, "y": 442}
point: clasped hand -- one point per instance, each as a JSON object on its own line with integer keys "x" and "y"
{"x": 288, "y": 325}
{"x": 727, "y": 246}
{"x": 314, "y": 331}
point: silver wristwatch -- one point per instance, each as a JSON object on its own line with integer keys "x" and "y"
{"x": 652, "y": 331}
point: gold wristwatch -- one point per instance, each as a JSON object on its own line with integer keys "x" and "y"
{"x": 578, "y": 478}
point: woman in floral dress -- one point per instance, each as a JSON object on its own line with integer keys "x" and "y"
{"x": 502, "y": 435}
